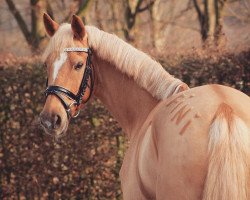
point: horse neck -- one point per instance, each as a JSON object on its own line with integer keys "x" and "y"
{"x": 127, "y": 102}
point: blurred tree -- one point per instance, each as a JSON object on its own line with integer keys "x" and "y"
{"x": 79, "y": 7}
{"x": 83, "y": 6}
{"x": 36, "y": 33}
{"x": 131, "y": 8}
{"x": 210, "y": 18}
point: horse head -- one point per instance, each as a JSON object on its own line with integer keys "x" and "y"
{"x": 70, "y": 83}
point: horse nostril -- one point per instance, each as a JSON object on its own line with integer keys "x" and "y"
{"x": 50, "y": 122}
{"x": 45, "y": 122}
{"x": 57, "y": 121}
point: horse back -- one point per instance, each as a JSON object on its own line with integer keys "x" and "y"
{"x": 197, "y": 106}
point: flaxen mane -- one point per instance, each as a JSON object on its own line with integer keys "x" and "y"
{"x": 148, "y": 73}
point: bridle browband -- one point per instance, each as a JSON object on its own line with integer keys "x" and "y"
{"x": 59, "y": 91}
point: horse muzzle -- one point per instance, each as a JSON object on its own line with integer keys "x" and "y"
{"x": 54, "y": 124}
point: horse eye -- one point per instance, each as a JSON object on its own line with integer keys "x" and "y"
{"x": 45, "y": 65}
{"x": 78, "y": 66}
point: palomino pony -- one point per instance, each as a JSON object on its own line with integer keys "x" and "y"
{"x": 184, "y": 143}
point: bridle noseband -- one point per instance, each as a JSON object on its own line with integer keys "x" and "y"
{"x": 59, "y": 91}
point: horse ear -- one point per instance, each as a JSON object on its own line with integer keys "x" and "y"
{"x": 50, "y": 25}
{"x": 78, "y": 27}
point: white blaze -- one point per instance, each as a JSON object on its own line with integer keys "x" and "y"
{"x": 58, "y": 64}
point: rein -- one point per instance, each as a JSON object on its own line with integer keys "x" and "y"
{"x": 59, "y": 91}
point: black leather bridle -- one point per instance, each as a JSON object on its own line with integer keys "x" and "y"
{"x": 59, "y": 91}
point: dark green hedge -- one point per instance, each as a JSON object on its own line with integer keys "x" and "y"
{"x": 227, "y": 69}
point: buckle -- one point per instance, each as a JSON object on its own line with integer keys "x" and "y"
{"x": 76, "y": 115}
{"x": 69, "y": 110}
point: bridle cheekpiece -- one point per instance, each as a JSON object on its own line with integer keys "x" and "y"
{"x": 59, "y": 91}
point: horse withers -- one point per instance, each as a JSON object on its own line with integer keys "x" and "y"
{"x": 184, "y": 143}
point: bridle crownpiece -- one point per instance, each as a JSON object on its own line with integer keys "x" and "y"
{"x": 77, "y": 49}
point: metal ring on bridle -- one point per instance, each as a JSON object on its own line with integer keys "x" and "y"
{"x": 69, "y": 110}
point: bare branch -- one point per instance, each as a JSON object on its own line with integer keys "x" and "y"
{"x": 137, "y": 7}
{"x": 246, "y": 4}
{"x": 163, "y": 23}
{"x": 148, "y": 6}
{"x": 98, "y": 18}
{"x": 20, "y": 21}
{"x": 237, "y": 16}
{"x": 197, "y": 7}
{"x": 83, "y": 5}
{"x": 182, "y": 12}
{"x": 49, "y": 9}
